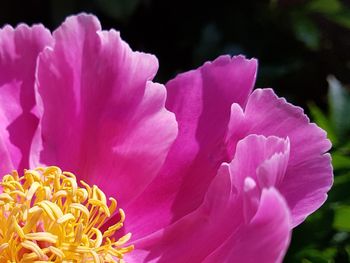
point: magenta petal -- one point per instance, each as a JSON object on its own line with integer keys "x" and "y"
{"x": 207, "y": 227}
{"x": 201, "y": 100}
{"x": 101, "y": 116}
{"x": 264, "y": 239}
{"x": 19, "y": 49}
{"x": 217, "y": 232}
{"x": 308, "y": 176}
{"x": 259, "y": 162}
{"x": 264, "y": 159}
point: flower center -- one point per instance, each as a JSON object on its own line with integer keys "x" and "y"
{"x": 46, "y": 216}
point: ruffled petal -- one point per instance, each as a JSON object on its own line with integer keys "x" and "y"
{"x": 19, "y": 49}
{"x": 201, "y": 100}
{"x": 101, "y": 117}
{"x": 308, "y": 176}
{"x": 217, "y": 231}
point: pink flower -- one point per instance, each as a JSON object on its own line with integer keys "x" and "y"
{"x": 224, "y": 182}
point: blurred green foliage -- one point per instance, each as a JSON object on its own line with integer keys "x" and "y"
{"x": 306, "y": 28}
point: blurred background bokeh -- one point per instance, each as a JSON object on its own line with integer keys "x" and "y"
{"x": 303, "y": 47}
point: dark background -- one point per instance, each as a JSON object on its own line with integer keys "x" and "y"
{"x": 298, "y": 44}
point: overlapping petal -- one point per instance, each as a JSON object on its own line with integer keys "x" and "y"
{"x": 242, "y": 219}
{"x": 19, "y": 49}
{"x": 264, "y": 159}
{"x": 219, "y": 230}
{"x": 264, "y": 239}
{"x": 101, "y": 116}
{"x": 201, "y": 100}
{"x": 308, "y": 175}
{"x": 277, "y": 160}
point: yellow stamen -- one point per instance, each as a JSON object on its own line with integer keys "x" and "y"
{"x": 45, "y": 216}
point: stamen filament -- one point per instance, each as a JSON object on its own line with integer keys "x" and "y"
{"x": 46, "y": 217}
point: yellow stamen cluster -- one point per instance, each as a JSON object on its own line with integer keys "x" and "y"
{"x": 46, "y": 217}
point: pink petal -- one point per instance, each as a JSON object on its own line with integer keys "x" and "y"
{"x": 218, "y": 223}
{"x": 264, "y": 159}
{"x": 101, "y": 116}
{"x": 308, "y": 175}
{"x": 19, "y": 49}
{"x": 264, "y": 239}
{"x": 185, "y": 239}
{"x": 201, "y": 100}
{"x": 259, "y": 162}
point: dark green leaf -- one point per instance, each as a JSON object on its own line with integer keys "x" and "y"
{"x": 324, "y": 6}
{"x": 306, "y": 31}
{"x": 339, "y": 104}
{"x": 118, "y": 9}
{"x": 342, "y": 18}
{"x": 322, "y": 120}
{"x": 342, "y": 218}
{"x": 340, "y": 161}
